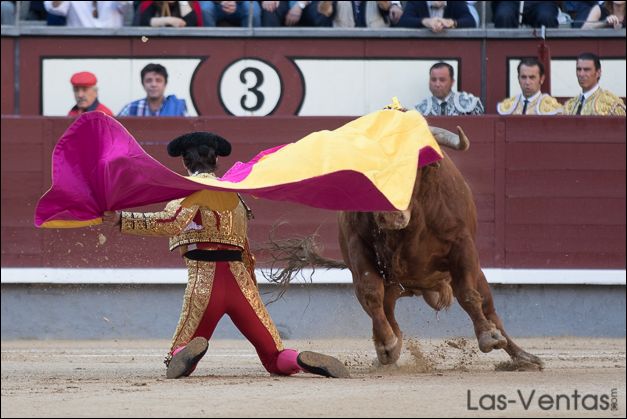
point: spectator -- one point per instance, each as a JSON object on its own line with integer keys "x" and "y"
{"x": 395, "y": 12}
{"x": 154, "y": 79}
{"x": 506, "y": 14}
{"x": 292, "y": 13}
{"x": 611, "y": 14}
{"x": 37, "y": 11}
{"x": 531, "y": 101}
{"x": 437, "y": 15}
{"x": 443, "y": 100}
{"x": 177, "y": 14}
{"x": 578, "y": 11}
{"x": 86, "y": 94}
{"x": 8, "y": 12}
{"x": 592, "y": 100}
{"x": 472, "y": 8}
{"x": 235, "y": 13}
{"x": 356, "y": 14}
{"x": 90, "y": 14}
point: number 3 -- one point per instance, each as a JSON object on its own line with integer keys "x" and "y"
{"x": 254, "y": 89}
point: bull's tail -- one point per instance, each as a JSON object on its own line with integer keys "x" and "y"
{"x": 288, "y": 258}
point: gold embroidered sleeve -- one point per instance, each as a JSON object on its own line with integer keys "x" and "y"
{"x": 569, "y": 106}
{"x": 549, "y": 106}
{"x": 168, "y": 223}
{"x": 607, "y": 103}
{"x": 507, "y": 106}
{"x": 618, "y": 109}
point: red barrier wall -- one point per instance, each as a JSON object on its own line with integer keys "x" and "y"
{"x": 550, "y": 191}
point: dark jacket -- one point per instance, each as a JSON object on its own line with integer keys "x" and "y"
{"x": 415, "y": 11}
{"x": 149, "y": 9}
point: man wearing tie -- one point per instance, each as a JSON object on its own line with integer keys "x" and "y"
{"x": 592, "y": 100}
{"x": 443, "y": 100}
{"x": 531, "y": 101}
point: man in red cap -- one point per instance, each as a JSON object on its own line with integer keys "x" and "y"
{"x": 86, "y": 94}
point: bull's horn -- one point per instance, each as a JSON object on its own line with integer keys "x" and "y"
{"x": 448, "y": 139}
{"x": 464, "y": 142}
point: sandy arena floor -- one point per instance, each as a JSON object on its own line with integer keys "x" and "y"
{"x": 435, "y": 378}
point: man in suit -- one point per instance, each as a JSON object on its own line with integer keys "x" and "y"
{"x": 436, "y": 15}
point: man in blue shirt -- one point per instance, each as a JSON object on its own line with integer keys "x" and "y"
{"x": 154, "y": 80}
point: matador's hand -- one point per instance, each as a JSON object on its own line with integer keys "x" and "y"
{"x": 112, "y": 218}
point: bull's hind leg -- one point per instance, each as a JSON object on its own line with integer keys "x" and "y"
{"x": 518, "y": 355}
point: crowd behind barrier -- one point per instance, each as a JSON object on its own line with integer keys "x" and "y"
{"x": 438, "y": 16}
{"x": 470, "y": 99}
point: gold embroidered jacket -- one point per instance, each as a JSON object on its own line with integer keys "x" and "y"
{"x": 542, "y": 105}
{"x": 178, "y": 223}
{"x": 602, "y": 102}
{"x": 196, "y": 224}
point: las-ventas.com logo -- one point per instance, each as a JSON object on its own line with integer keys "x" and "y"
{"x": 532, "y": 399}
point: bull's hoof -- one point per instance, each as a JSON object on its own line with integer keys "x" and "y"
{"x": 389, "y": 354}
{"x": 524, "y": 361}
{"x": 491, "y": 339}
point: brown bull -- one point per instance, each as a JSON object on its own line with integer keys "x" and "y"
{"x": 427, "y": 250}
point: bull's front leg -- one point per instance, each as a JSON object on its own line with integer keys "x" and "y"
{"x": 370, "y": 291}
{"x": 473, "y": 293}
{"x": 465, "y": 273}
{"x": 393, "y": 293}
{"x": 359, "y": 255}
{"x": 521, "y": 358}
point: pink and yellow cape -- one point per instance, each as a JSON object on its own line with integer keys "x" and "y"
{"x": 368, "y": 164}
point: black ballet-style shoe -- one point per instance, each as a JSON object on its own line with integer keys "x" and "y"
{"x": 184, "y": 362}
{"x": 320, "y": 364}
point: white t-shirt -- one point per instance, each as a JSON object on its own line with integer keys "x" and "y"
{"x": 80, "y": 14}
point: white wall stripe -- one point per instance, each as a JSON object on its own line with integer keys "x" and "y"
{"x": 332, "y": 276}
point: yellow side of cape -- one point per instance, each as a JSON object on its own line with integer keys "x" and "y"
{"x": 384, "y": 146}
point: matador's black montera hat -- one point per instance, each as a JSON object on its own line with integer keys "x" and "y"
{"x": 177, "y": 146}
